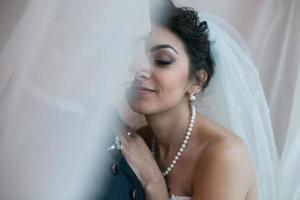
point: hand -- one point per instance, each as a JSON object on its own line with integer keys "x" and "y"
{"x": 138, "y": 155}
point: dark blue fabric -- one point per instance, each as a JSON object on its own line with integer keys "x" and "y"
{"x": 119, "y": 186}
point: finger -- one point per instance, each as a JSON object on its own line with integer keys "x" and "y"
{"x": 121, "y": 125}
{"x": 120, "y": 138}
{"x": 124, "y": 133}
{"x": 121, "y": 131}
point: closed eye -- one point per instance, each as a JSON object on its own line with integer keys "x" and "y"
{"x": 162, "y": 62}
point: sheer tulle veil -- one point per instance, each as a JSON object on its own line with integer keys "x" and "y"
{"x": 235, "y": 99}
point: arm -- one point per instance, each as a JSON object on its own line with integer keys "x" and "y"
{"x": 223, "y": 171}
{"x": 156, "y": 191}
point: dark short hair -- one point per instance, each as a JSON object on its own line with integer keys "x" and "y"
{"x": 185, "y": 23}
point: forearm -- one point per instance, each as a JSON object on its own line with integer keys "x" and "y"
{"x": 156, "y": 191}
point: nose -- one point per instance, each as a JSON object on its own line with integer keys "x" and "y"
{"x": 142, "y": 66}
{"x": 143, "y": 74}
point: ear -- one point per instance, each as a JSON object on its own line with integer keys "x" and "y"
{"x": 199, "y": 81}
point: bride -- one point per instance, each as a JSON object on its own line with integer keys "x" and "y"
{"x": 182, "y": 152}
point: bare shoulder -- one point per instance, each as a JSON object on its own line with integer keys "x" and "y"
{"x": 223, "y": 142}
{"x": 224, "y": 170}
{"x": 228, "y": 150}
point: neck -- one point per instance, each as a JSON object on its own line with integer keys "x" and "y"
{"x": 169, "y": 128}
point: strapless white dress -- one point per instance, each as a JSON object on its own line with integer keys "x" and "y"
{"x": 175, "y": 197}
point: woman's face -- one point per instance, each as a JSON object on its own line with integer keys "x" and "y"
{"x": 162, "y": 78}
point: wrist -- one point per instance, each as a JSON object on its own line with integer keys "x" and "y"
{"x": 154, "y": 180}
{"x": 156, "y": 190}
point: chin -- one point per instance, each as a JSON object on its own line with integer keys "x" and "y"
{"x": 145, "y": 106}
{"x": 140, "y": 107}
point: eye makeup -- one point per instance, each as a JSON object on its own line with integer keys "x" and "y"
{"x": 161, "y": 59}
{"x": 162, "y": 62}
{"x": 162, "y": 55}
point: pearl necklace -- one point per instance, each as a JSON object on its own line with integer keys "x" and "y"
{"x": 183, "y": 145}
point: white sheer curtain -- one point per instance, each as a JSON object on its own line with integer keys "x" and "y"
{"x": 289, "y": 176}
{"x": 53, "y": 53}
{"x": 61, "y": 66}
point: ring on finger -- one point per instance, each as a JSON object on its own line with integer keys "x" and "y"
{"x": 129, "y": 134}
{"x": 118, "y": 143}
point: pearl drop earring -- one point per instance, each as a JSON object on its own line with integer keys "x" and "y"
{"x": 193, "y": 97}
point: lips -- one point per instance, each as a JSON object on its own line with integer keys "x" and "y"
{"x": 141, "y": 88}
{"x": 145, "y": 89}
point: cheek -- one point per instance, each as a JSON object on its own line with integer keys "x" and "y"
{"x": 173, "y": 84}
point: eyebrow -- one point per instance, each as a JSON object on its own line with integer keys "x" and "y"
{"x": 161, "y": 46}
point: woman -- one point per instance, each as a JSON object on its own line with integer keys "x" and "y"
{"x": 181, "y": 153}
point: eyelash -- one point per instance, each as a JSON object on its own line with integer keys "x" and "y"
{"x": 162, "y": 62}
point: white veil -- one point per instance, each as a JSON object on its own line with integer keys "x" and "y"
{"x": 235, "y": 99}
